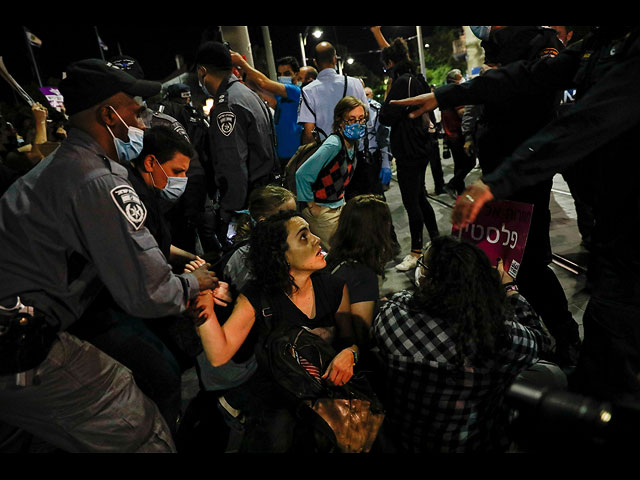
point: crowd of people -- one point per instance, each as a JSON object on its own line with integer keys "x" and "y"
{"x": 142, "y": 238}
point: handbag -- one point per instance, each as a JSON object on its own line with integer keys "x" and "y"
{"x": 349, "y": 415}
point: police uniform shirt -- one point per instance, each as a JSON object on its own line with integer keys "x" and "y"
{"x": 74, "y": 224}
{"x": 323, "y": 94}
{"x": 241, "y": 144}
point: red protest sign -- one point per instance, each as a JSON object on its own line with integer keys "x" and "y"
{"x": 500, "y": 230}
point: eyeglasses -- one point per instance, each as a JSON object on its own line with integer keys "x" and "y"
{"x": 361, "y": 121}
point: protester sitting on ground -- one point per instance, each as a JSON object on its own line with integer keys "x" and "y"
{"x": 452, "y": 349}
{"x": 322, "y": 179}
{"x": 263, "y": 202}
{"x": 287, "y": 262}
{"x": 361, "y": 247}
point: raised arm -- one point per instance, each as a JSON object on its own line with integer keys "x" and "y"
{"x": 258, "y": 79}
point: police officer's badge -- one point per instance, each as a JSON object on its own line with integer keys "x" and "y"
{"x": 226, "y": 122}
{"x": 128, "y": 202}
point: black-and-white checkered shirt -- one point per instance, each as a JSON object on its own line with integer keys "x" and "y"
{"x": 436, "y": 406}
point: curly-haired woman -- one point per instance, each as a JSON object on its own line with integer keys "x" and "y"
{"x": 452, "y": 349}
{"x": 287, "y": 263}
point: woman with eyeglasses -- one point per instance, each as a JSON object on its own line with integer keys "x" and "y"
{"x": 451, "y": 350}
{"x": 322, "y": 179}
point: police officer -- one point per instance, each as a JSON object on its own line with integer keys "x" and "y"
{"x": 69, "y": 228}
{"x": 242, "y": 153}
{"x": 189, "y": 218}
{"x": 597, "y": 133}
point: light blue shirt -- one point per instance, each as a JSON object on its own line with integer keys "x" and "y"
{"x": 323, "y": 94}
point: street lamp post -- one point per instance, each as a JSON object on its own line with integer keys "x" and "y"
{"x": 303, "y": 42}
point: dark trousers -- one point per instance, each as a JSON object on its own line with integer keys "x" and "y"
{"x": 536, "y": 281}
{"x": 411, "y": 180}
{"x": 435, "y": 164}
{"x": 462, "y": 164}
{"x": 129, "y": 341}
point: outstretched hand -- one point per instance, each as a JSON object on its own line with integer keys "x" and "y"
{"x": 425, "y": 103}
{"x": 470, "y": 203}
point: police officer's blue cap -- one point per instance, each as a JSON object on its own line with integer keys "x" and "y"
{"x": 215, "y": 54}
{"x": 89, "y": 82}
{"x": 178, "y": 90}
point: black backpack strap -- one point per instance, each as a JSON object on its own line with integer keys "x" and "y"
{"x": 344, "y": 92}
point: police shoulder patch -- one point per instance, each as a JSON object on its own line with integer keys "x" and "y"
{"x": 226, "y": 122}
{"x": 128, "y": 202}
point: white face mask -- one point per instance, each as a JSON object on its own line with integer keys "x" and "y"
{"x": 127, "y": 151}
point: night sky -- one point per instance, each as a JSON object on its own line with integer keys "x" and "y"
{"x": 155, "y": 46}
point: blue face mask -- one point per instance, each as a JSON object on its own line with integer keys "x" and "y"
{"x": 481, "y": 32}
{"x": 128, "y": 151}
{"x": 354, "y": 131}
{"x": 174, "y": 188}
{"x": 285, "y": 80}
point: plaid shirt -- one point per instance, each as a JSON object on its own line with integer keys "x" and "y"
{"x": 437, "y": 406}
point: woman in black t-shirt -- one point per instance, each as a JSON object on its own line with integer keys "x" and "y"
{"x": 362, "y": 245}
{"x": 285, "y": 259}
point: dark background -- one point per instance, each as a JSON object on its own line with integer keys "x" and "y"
{"x": 155, "y": 47}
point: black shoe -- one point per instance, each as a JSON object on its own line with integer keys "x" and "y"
{"x": 440, "y": 190}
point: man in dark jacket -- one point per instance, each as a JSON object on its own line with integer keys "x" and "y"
{"x": 503, "y": 126}
{"x": 242, "y": 153}
{"x": 597, "y": 132}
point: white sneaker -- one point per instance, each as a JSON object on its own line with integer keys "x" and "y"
{"x": 409, "y": 262}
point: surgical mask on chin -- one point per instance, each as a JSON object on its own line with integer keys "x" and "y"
{"x": 128, "y": 151}
{"x": 355, "y": 131}
{"x": 481, "y": 32}
{"x": 174, "y": 188}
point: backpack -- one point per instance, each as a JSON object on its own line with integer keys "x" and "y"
{"x": 296, "y": 161}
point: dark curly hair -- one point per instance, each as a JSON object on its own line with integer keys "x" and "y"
{"x": 363, "y": 234}
{"x": 396, "y": 52}
{"x": 463, "y": 289}
{"x": 267, "y": 247}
